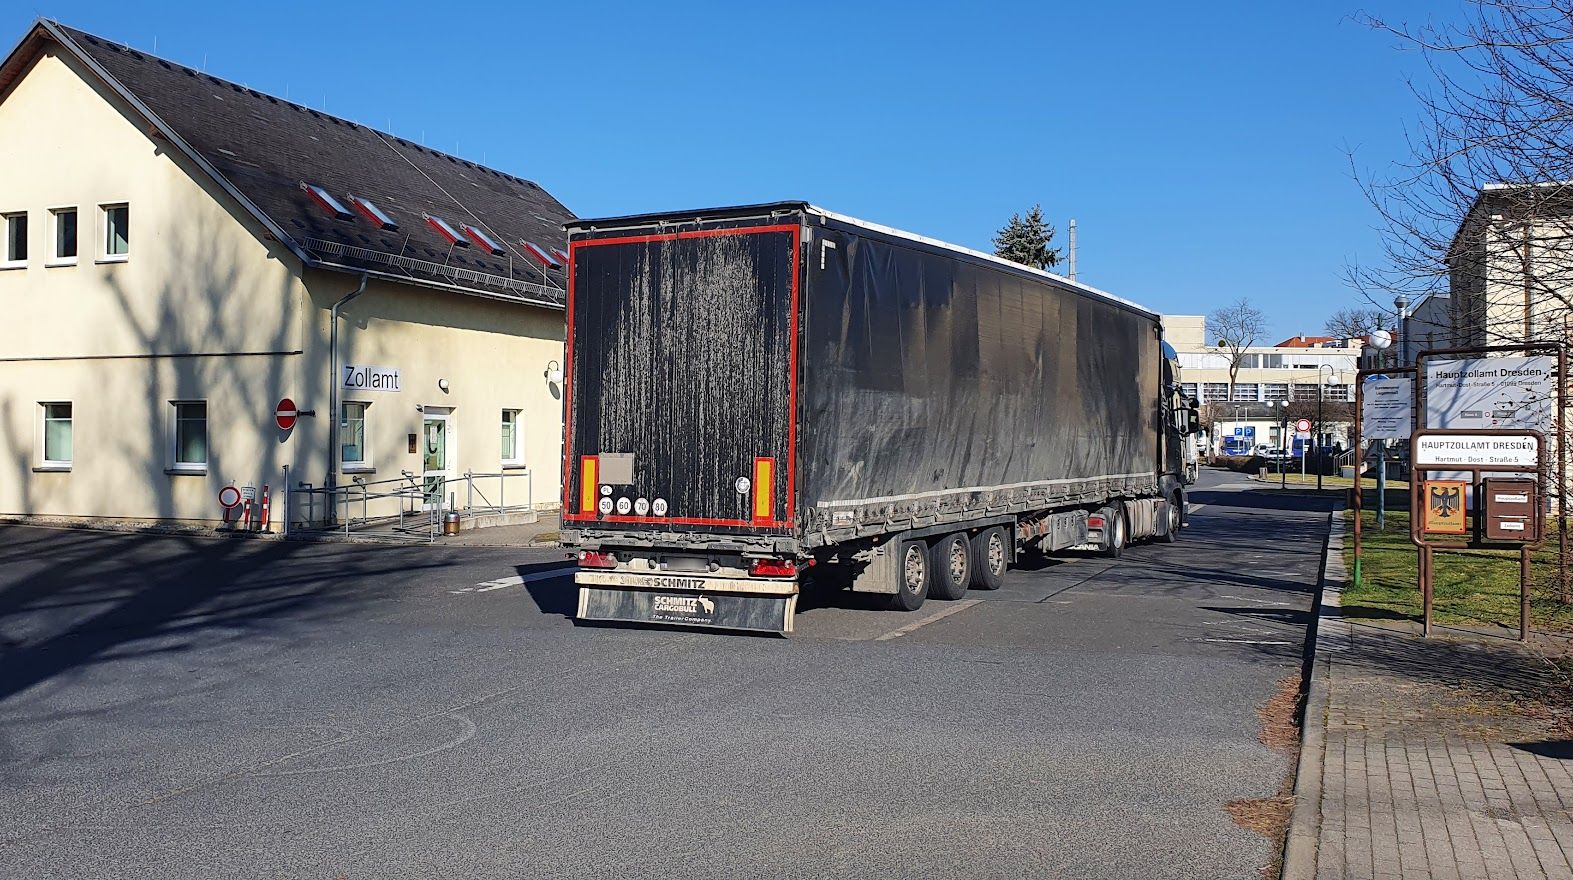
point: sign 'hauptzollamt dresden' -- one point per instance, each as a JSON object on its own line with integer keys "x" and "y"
{"x": 1469, "y": 450}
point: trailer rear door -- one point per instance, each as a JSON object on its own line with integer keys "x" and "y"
{"x": 682, "y": 378}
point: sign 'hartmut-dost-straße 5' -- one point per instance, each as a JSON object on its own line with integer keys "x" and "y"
{"x": 1473, "y": 450}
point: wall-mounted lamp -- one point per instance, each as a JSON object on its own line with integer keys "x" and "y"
{"x": 554, "y": 373}
{"x": 442, "y": 385}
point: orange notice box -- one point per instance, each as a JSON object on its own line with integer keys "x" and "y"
{"x": 1444, "y": 507}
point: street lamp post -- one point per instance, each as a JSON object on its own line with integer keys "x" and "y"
{"x": 1321, "y": 392}
{"x": 1283, "y": 440}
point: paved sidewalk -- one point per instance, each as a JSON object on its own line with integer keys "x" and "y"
{"x": 1432, "y": 768}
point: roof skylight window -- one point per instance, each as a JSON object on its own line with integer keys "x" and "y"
{"x": 480, "y": 237}
{"x": 373, "y": 213}
{"x": 541, "y": 255}
{"x": 446, "y": 230}
{"x": 326, "y": 201}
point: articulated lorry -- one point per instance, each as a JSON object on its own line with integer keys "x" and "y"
{"x": 763, "y": 396}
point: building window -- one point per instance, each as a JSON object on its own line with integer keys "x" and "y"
{"x": 1249, "y": 361}
{"x": 117, "y": 231}
{"x": 191, "y": 435}
{"x": 1213, "y": 391}
{"x": 1272, "y": 361}
{"x": 1245, "y": 391}
{"x": 1339, "y": 393}
{"x": 1188, "y": 390}
{"x": 352, "y": 435}
{"x": 15, "y": 240}
{"x": 63, "y": 220}
{"x": 1305, "y": 392}
{"x": 510, "y": 437}
{"x": 57, "y": 435}
{"x": 1275, "y": 391}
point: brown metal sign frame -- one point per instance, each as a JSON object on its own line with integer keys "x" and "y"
{"x": 1426, "y": 542}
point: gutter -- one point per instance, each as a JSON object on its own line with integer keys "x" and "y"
{"x": 333, "y": 386}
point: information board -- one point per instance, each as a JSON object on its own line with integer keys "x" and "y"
{"x": 1491, "y": 392}
{"x": 1387, "y": 408}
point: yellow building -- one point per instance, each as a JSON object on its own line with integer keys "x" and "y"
{"x": 181, "y": 254}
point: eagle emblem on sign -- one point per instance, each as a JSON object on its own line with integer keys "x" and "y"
{"x": 1446, "y": 501}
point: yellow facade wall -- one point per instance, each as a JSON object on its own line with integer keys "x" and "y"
{"x": 207, "y": 306}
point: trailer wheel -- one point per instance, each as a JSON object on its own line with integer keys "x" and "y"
{"x": 990, "y": 558}
{"x": 950, "y": 567}
{"x": 912, "y": 577}
{"x": 1171, "y": 510}
{"x": 1115, "y": 531}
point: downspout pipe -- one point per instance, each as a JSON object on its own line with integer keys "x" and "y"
{"x": 333, "y": 387}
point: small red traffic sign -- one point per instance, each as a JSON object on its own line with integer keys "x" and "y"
{"x": 1303, "y": 426}
{"x": 229, "y": 497}
{"x": 284, "y": 415}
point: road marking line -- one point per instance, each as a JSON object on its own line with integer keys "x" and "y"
{"x": 515, "y": 580}
{"x": 1249, "y": 641}
{"x": 901, "y": 631}
{"x": 1257, "y": 601}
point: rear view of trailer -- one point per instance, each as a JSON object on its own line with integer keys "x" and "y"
{"x": 756, "y": 391}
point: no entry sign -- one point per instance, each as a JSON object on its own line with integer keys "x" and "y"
{"x": 1303, "y": 426}
{"x": 229, "y": 497}
{"x": 285, "y": 413}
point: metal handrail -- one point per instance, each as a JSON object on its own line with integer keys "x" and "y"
{"x": 502, "y": 478}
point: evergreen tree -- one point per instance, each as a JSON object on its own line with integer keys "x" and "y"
{"x": 1028, "y": 241}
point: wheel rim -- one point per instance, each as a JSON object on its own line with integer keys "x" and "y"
{"x": 1119, "y": 530}
{"x": 996, "y": 553}
{"x": 912, "y": 569}
{"x": 958, "y": 561}
{"x": 1174, "y": 518}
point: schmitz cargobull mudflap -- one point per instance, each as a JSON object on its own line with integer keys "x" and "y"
{"x": 718, "y": 603}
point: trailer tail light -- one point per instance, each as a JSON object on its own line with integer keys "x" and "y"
{"x": 772, "y": 568}
{"x": 1095, "y": 521}
{"x": 589, "y": 479}
{"x": 764, "y": 489}
{"x": 596, "y": 559}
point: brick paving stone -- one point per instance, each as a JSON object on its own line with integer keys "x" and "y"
{"x": 1423, "y": 774}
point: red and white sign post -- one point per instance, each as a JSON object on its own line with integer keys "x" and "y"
{"x": 285, "y": 413}
{"x": 1303, "y": 426}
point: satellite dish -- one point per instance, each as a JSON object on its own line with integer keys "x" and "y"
{"x": 1381, "y": 339}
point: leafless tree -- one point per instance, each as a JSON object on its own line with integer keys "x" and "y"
{"x": 1357, "y": 321}
{"x": 1483, "y": 204}
{"x": 1236, "y": 327}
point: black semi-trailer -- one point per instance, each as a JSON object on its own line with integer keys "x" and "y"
{"x": 762, "y": 395}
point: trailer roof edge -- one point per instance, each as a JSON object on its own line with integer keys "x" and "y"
{"x": 945, "y": 245}
{"x": 736, "y": 211}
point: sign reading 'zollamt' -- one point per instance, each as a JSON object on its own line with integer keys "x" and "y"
{"x": 360, "y": 377}
{"x": 1470, "y": 450}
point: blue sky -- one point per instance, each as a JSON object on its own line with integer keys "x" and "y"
{"x": 1202, "y": 148}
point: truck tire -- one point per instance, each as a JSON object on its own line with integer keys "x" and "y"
{"x": 1115, "y": 531}
{"x": 912, "y": 577}
{"x": 950, "y": 567}
{"x": 990, "y": 558}
{"x": 1171, "y": 510}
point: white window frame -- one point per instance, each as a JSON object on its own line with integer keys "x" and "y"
{"x": 104, "y": 256}
{"x": 5, "y": 221}
{"x": 45, "y": 463}
{"x": 364, "y": 466}
{"x": 54, "y": 236}
{"x": 187, "y": 467}
{"x": 517, "y": 459}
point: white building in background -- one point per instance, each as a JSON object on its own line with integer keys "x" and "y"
{"x": 1298, "y": 370}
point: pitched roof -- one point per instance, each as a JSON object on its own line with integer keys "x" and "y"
{"x": 261, "y": 148}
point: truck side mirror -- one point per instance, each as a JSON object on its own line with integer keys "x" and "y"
{"x": 1193, "y": 421}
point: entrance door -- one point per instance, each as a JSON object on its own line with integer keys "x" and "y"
{"x": 435, "y": 457}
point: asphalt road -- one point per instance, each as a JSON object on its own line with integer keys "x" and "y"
{"x": 184, "y": 707}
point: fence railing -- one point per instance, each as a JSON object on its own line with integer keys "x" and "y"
{"x": 408, "y": 507}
